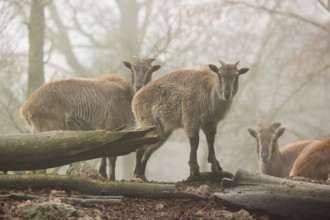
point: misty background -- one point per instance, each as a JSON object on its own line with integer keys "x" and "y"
{"x": 286, "y": 45}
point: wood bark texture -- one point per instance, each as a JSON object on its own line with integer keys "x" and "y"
{"x": 56, "y": 148}
{"x": 276, "y": 195}
{"x": 93, "y": 187}
{"x": 36, "y": 27}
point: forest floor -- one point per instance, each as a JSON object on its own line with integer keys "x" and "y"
{"x": 131, "y": 208}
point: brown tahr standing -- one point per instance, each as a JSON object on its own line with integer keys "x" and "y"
{"x": 191, "y": 99}
{"x": 88, "y": 103}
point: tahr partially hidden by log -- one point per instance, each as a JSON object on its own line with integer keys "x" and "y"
{"x": 275, "y": 195}
{"x": 51, "y": 149}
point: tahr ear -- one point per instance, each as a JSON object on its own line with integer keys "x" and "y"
{"x": 155, "y": 67}
{"x": 252, "y": 132}
{"x": 275, "y": 126}
{"x": 243, "y": 70}
{"x": 279, "y": 132}
{"x": 128, "y": 64}
{"x": 214, "y": 68}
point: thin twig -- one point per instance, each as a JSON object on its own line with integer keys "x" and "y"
{"x": 293, "y": 94}
{"x": 290, "y": 14}
{"x": 326, "y": 7}
{"x": 21, "y": 197}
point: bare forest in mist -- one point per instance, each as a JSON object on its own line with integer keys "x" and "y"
{"x": 286, "y": 45}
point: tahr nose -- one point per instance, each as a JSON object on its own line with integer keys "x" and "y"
{"x": 226, "y": 95}
{"x": 264, "y": 156}
{"x": 137, "y": 87}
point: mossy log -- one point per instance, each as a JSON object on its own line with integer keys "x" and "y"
{"x": 84, "y": 199}
{"x": 276, "y": 195}
{"x": 56, "y": 148}
{"x": 89, "y": 186}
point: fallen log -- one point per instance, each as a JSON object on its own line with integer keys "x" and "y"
{"x": 56, "y": 148}
{"x": 83, "y": 199}
{"x": 100, "y": 201}
{"x": 89, "y": 186}
{"x": 18, "y": 196}
{"x": 211, "y": 176}
{"x": 275, "y": 195}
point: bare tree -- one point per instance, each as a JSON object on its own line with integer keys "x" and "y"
{"x": 12, "y": 62}
{"x": 36, "y": 26}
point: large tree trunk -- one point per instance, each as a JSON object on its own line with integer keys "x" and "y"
{"x": 129, "y": 30}
{"x": 51, "y": 149}
{"x": 277, "y": 195}
{"x": 130, "y": 46}
{"x": 36, "y": 27}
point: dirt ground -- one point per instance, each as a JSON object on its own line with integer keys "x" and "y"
{"x": 21, "y": 204}
{"x": 133, "y": 208}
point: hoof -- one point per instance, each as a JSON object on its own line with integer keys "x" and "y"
{"x": 194, "y": 177}
{"x": 216, "y": 167}
{"x": 140, "y": 177}
{"x": 112, "y": 177}
{"x": 103, "y": 175}
{"x": 138, "y": 180}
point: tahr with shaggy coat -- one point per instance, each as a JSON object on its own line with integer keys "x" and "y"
{"x": 87, "y": 103}
{"x": 190, "y": 99}
{"x": 314, "y": 161}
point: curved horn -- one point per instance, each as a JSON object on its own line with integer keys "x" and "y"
{"x": 150, "y": 60}
{"x": 235, "y": 64}
{"x": 222, "y": 63}
{"x": 274, "y": 126}
{"x": 260, "y": 125}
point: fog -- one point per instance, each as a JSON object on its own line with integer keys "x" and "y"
{"x": 286, "y": 45}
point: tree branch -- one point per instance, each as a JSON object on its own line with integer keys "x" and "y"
{"x": 294, "y": 93}
{"x": 80, "y": 28}
{"x": 326, "y": 7}
{"x": 18, "y": 196}
{"x": 290, "y": 14}
{"x": 64, "y": 44}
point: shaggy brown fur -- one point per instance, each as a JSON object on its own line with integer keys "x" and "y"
{"x": 92, "y": 100}
{"x": 190, "y": 99}
{"x": 83, "y": 104}
{"x": 314, "y": 161}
